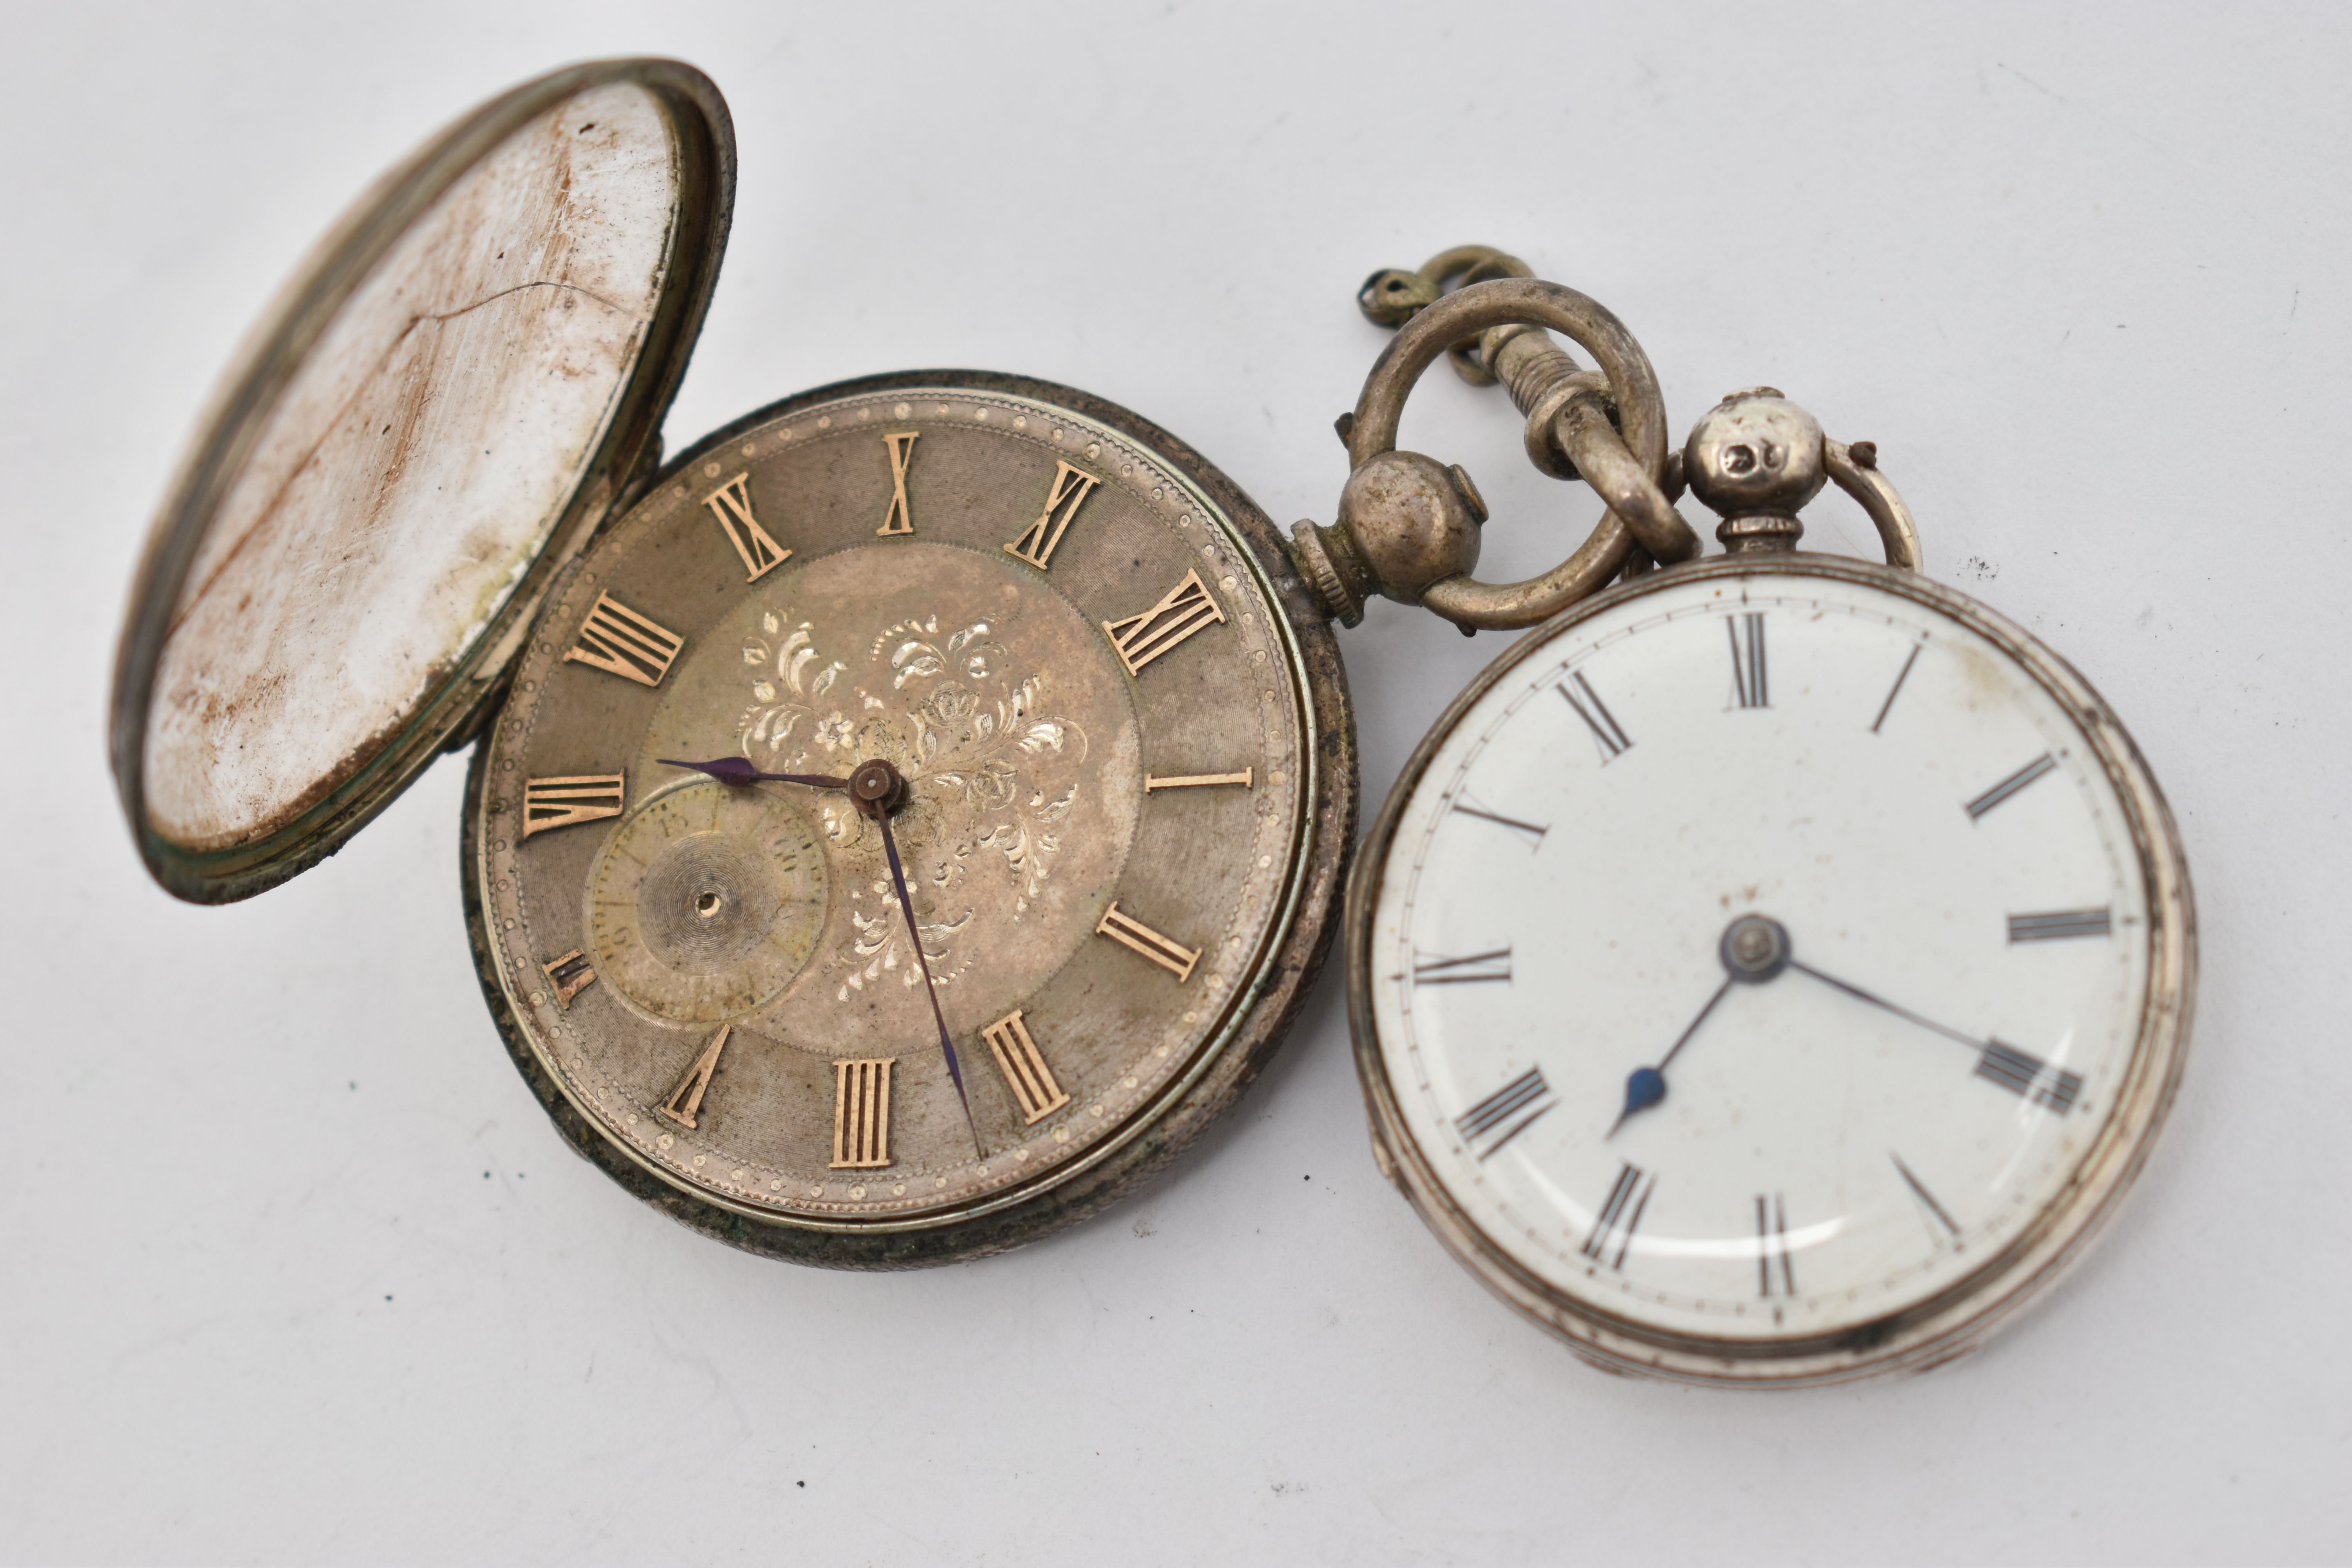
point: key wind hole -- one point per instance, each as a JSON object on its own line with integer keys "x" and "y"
{"x": 708, "y": 902}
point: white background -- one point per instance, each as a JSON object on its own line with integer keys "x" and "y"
{"x": 293, "y": 1269}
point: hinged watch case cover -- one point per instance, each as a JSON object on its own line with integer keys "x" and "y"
{"x": 433, "y": 418}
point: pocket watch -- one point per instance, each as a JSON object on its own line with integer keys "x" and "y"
{"x": 894, "y": 825}
{"x": 1773, "y": 968}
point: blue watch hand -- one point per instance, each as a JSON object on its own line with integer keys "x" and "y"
{"x": 947, "y": 1045}
{"x": 877, "y": 790}
{"x": 1754, "y": 949}
{"x": 1644, "y": 1087}
{"x": 736, "y": 770}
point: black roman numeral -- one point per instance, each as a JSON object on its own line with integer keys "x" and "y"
{"x": 1772, "y": 1247}
{"x": 1749, "y": 687}
{"x": 1620, "y": 1216}
{"x": 1900, "y": 677}
{"x": 1929, "y": 1207}
{"x": 1531, "y": 832}
{"x": 2011, "y": 785}
{"x": 2028, "y": 1076}
{"x": 1478, "y": 966}
{"x": 2059, "y": 924}
{"x": 1607, "y": 733}
{"x": 1506, "y": 1113}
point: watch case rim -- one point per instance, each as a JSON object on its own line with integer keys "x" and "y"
{"x": 338, "y": 263}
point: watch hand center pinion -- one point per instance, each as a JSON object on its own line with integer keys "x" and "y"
{"x": 1754, "y": 949}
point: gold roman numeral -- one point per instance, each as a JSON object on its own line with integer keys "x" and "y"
{"x": 570, "y": 976}
{"x": 560, "y": 803}
{"x": 898, "y": 519}
{"x": 861, "y": 1114}
{"x": 685, "y": 1101}
{"x": 1071, "y": 487}
{"x": 1133, "y": 934}
{"x": 1198, "y": 781}
{"x": 1184, "y": 609}
{"x": 1024, "y": 1070}
{"x": 617, "y": 640}
{"x": 730, "y": 503}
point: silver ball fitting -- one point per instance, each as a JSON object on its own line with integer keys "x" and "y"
{"x": 1414, "y": 522}
{"x": 1406, "y": 523}
{"x": 1756, "y": 457}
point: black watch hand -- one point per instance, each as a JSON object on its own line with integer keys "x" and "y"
{"x": 877, "y": 787}
{"x": 1908, "y": 1017}
{"x": 2021, "y": 1073}
{"x": 736, "y": 770}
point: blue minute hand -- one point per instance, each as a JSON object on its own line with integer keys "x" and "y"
{"x": 877, "y": 790}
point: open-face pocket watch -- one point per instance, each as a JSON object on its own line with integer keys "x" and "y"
{"x": 1772, "y": 969}
{"x": 894, "y": 825}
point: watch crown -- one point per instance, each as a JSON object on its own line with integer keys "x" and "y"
{"x": 1312, "y": 550}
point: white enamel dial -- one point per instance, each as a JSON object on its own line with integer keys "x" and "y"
{"x": 1766, "y": 956}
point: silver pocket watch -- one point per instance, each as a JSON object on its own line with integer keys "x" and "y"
{"x": 1773, "y": 969}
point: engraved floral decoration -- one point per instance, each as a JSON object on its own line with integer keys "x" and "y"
{"x": 992, "y": 774}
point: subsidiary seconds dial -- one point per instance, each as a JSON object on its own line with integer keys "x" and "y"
{"x": 1768, "y": 972}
